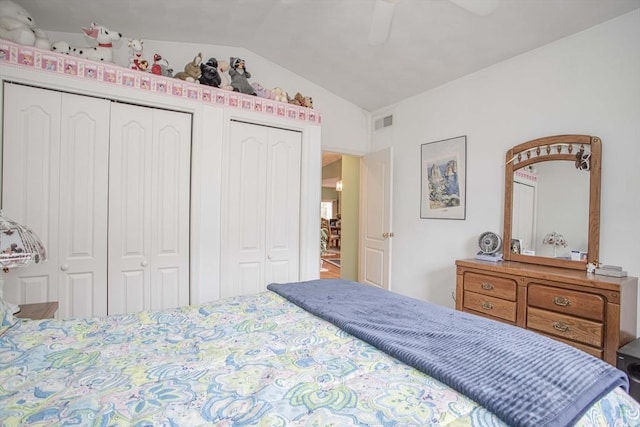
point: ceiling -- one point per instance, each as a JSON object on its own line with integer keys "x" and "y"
{"x": 430, "y": 42}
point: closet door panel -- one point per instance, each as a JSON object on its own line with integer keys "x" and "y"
{"x": 129, "y": 205}
{"x": 283, "y": 206}
{"x": 169, "y": 214}
{"x": 244, "y": 234}
{"x": 82, "y": 248}
{"x": 31, "y": 149}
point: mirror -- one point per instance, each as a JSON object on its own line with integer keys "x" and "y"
{"x": 552, "y": 201}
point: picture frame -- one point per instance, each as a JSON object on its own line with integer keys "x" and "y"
{"x": 443, "y": 166}
{"x": 516, "y": 246}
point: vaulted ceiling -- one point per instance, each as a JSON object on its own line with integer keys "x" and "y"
{"x": 430, "y": 42}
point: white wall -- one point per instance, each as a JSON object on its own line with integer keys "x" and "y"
{"x": 343, "y": 124}
{"x": 588, "y": 83}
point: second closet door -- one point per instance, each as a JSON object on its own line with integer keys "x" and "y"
{"x": 149, "y": 166}
{"x": 261, "y": 225}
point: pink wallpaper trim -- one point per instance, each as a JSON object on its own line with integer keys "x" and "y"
{"x": 52, "y": 62}
{"x": 526, "y": 175}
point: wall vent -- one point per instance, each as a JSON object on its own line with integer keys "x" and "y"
{"x": 383, "y": 122}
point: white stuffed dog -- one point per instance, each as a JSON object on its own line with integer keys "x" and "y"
{"x": 103, "y": 36}
{"x": 18, "y": 26}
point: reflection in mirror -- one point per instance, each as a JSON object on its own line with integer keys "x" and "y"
{"x": 552, "y": 201}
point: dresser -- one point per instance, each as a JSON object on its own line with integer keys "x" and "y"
{"x": 597, "y": 314}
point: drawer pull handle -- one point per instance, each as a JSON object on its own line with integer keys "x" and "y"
{"x": 487, "y": 306}
{"x": 562, "y": 301}
{"x": 487, "y": 286}
{"x": 560, "y": 327}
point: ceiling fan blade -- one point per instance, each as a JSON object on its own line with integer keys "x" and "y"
{"x": 477, "y": 7}
{"x": 381, "y": 21}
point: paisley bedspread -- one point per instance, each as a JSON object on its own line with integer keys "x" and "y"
{"x": 250, "y": 360}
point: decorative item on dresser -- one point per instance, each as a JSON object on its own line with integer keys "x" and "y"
{"x": 596, "y": 314}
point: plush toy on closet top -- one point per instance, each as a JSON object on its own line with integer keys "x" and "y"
{"x": 210, "y": 75}
{"x": 279, "y": 94}
{"x": 303, "y": 101}
{"x": 161, "y": 66}
{"x": 18, "y": 26}
{"x": 191, "y": 71}
{"x": 240, "y": 76}
{"x": 136, "y": 62}
{"x": 102, "y": 36}
{"x": 223, "y": 70}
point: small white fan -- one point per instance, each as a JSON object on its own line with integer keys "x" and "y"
{"x": 490, "y": 244}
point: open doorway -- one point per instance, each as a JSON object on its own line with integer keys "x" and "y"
{"x": 340, "y": 215}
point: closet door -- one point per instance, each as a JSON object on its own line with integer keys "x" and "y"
{"x": 261, "y": 226}
{"x": 55, "y": 182}
{"x": 148, "y": 209}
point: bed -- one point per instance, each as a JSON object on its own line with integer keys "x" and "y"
{"x": 265, "y": 360}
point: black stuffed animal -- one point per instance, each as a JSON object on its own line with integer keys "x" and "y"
{"x": 210, "y": 75}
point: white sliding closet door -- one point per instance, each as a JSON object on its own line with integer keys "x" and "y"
{"x": 148, "y": 209}
{"x": 55, "y": 182}
{"x": 261, "y": 224}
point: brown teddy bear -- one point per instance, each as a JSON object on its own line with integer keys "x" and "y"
{"x": 302, "y": 101}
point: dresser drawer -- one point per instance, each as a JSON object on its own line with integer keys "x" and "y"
{"x": 498, "y": 287}
{"x": 491, "y": 306}
{"x": 568, "y": 327}
{"x": 574, "y": 303}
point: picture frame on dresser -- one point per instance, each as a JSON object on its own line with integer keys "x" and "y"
{"x": 443, "y": 179}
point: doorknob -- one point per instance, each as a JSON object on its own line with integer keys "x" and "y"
{"x": 64, "y": 267}
{"x": 385, "y": 235}
{"x": 391, "y": 234}
{"x": 144, "y": 263}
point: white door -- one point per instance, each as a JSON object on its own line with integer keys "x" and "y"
{"x": 55, "y": 182}
{"x": 524, "y": 208}
{"x": 261, "y": 224}
{"x": 375, "y": 219}
{"x": 148, "y": 209}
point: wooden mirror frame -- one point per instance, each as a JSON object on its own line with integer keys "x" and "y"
{"x": 559, "y": 147}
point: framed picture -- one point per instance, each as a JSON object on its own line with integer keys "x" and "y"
{"x": 516, "y": 246}
{"x": 443, "y": 167}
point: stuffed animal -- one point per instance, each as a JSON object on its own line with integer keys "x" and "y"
{"x": 161, "y": 66}
{"x": 103, "y": 52}
{"x": 210, "y": 75}
{"x": 191, "y": 71}
{"x": 135, "y": 55}
{"x": 223, "y": 71}
{"x": 280, "y": 95}
{"x": 303, "y": 101}
{"x": 18, "y": 26}
{"x": 239, "y": 76}
{"x": 298, "y": 99}
{"x": 308, "y": 102}
{"x": 259, "y": 89}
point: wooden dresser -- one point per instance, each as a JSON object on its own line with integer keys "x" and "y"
{"x": 597, "y": 314}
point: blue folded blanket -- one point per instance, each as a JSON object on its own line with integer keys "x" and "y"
{"x": 522, "y": 377}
